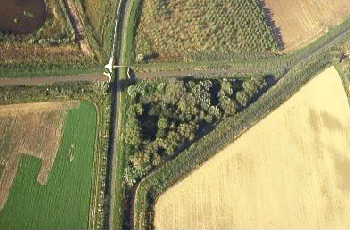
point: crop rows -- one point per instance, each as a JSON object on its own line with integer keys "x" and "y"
{"x": 172, "y": 29}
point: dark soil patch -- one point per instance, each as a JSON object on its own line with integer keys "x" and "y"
{"x": 22, "y": 16}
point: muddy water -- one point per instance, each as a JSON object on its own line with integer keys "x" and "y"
{"x": 22, "y": 16}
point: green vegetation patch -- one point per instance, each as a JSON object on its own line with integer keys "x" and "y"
{"x": 100, "y": 19}
{"x": 165, "y": 118}
{"x": 195, "y": 28}
{"x": 63, "y": 203}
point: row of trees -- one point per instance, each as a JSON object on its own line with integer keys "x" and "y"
{"x": 165, "y": 118}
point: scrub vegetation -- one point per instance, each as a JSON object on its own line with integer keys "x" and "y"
{"x": 195, "y": 29}
{"x": 100, "y": 19}
{"x": 166, "y": 117}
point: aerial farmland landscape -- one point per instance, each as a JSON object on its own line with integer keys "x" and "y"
{"x": 182, "y": 114}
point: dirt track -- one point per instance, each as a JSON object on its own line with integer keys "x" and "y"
{"x": 52, "y": 80}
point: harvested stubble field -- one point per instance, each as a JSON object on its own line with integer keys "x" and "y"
{"x": 302, "y": 21}
{"x": 63, "y": 202}
{"x": 174, "y": 29}
{"x": 33, "y": 129}
{"x": 291, "y": 170}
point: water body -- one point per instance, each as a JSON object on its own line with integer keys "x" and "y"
{"x": 22, "y": 16}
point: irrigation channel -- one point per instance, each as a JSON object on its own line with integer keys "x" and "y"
{"x": 113, "y": 131}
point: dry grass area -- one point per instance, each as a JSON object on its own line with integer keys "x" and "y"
{"x": 291, "y": 170}
{"x": 302, "y": 21}
{"x": 33, "y": 129}
{"x": 94, "y": 10}
{"x": 22, "y": 53}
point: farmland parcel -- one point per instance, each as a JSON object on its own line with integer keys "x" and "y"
{"x": 302, "y": 21}
{"x": 63, "y": 202}
{"x": 176, "y": 29}
{"x": 286, "y": 172}
{"x": 34, "y": 129}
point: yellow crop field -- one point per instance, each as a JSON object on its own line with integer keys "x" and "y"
{"x": 302, "y": 21}
{"x": 291, "y": 170}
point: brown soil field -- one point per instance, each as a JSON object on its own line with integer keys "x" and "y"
{"x": 34, "y": 129}
{"x": 291, "y": 170}
{"x": 302, "y": 21}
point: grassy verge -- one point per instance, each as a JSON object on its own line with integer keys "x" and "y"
{"x": 118, "y": 219}
{"x": 33, "y": 70}
{"x": 100, "y": 23}
{"x": 344, "y": 70}
{"x": 127, "y": 49}
{"x": 64, "y": 201}
{"x": 226, "y": 132}
{"x": 125, "y": 58}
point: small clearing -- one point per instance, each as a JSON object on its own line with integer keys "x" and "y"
{"x": 302, "y": 21}
{"x": 33, "y": 129}
{"x": 291, "y": 170}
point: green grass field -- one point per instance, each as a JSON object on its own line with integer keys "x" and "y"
{"x": 63, "y": 203}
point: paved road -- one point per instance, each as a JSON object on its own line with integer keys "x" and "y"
{"x": 52, "y": 80}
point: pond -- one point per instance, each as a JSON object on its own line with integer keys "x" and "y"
{"x": 22, "y": 16}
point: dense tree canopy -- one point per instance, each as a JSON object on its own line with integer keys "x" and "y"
{"x": 166, "y": 117}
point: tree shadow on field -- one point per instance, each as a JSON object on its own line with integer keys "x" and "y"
{"x": 342, "y": 168}
{"x": 271, "y": 22}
